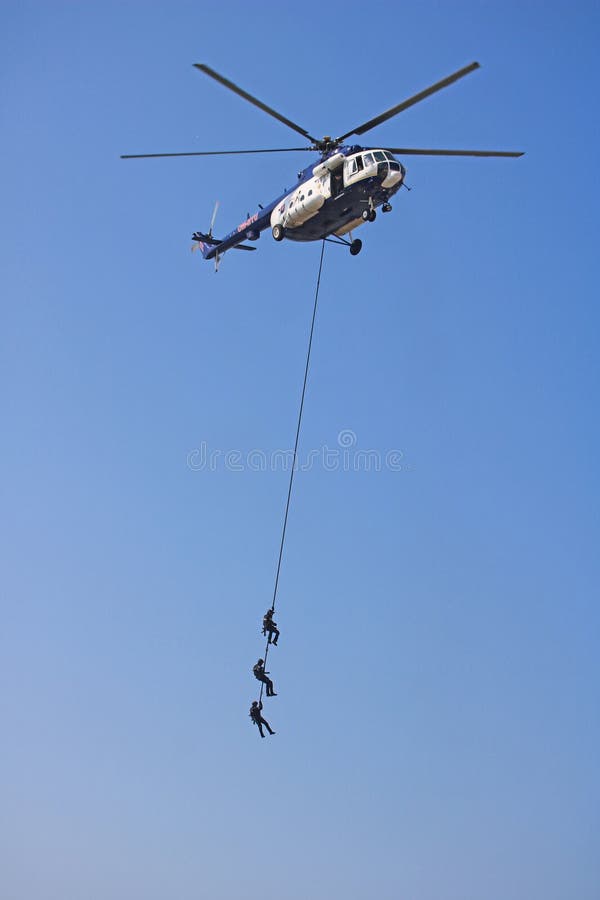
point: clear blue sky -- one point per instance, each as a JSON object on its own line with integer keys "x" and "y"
{"x": 438, "y": 673}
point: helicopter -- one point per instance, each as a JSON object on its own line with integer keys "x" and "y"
{"x": 333, "y": 197}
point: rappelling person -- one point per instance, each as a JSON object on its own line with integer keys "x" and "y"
{"x": 270, "y": 627}
{"x": 255, "y": 715}
{"x": 261, "y": 675}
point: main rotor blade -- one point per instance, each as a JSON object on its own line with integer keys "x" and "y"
{"x": 213, "y": 153}
{"x": 246, "y": 96}
{"x": 405, "y": 151}
{"x": 411, "y": 101}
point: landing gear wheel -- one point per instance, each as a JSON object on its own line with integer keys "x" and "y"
{"x": 366, "y": 215}
{"x": 372, "y": 215}
{"x": 355, "y": 247}
{"x": 278, "y": 232}
{"x": 386, "y": 208}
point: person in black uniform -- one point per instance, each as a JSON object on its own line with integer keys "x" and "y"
{"x": 256, "y": 716}
{"x": 270, "y": 627}
{"x": 261, "y": 675}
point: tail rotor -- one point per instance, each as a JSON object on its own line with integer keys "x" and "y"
{"x": 205, "y": 242}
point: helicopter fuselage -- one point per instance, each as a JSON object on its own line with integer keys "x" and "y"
{"x": 333, "y": 197}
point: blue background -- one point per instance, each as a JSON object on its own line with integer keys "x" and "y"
{"x": 437, "y": 719}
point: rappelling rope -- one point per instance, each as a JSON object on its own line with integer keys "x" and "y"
{"x": 289, "y": 494}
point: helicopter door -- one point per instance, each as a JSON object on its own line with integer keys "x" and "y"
{"x": 337, "y": 182}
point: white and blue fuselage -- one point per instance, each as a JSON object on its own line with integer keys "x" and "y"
{"x": 330, "y": 198}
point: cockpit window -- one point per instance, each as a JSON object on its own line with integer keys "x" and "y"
{"x": 355, "y": 164}
{"x": 389, "y": 155}
{"x": 379, "y": 155}
{"x": 368, "y": 158}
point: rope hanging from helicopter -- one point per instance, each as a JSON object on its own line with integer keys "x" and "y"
{"x": 293, "y": 469}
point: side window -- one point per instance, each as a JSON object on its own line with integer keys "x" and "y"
{"x": 368, "y": 158}
{"x": 359, "y": 163}
{"x": 352, "y": 167}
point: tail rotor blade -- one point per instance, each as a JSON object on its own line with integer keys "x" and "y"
{"x": 214, "y": 216}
